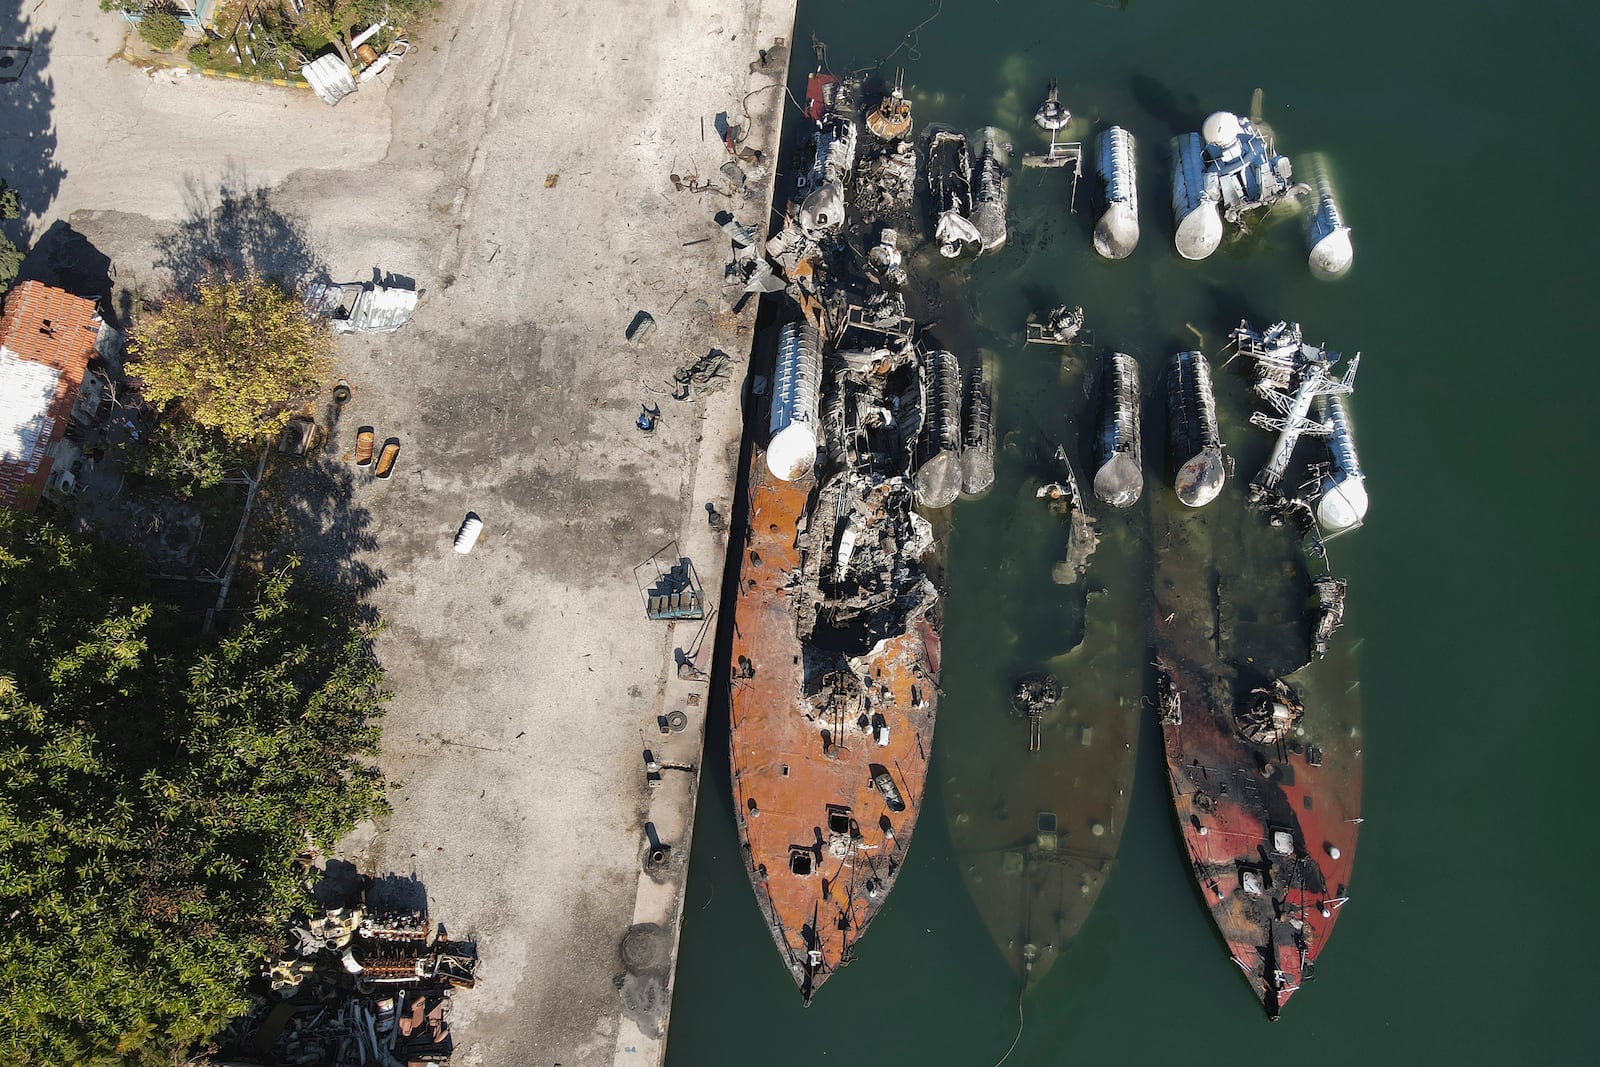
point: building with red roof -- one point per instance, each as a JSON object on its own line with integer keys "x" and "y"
{"x": 47, "y": 337}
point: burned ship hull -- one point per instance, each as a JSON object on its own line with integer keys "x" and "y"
{"x": 1263, "y": 751}
{"x": 835, "y": 666}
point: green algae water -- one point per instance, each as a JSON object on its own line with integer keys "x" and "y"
{"x": 1463, "y": 152}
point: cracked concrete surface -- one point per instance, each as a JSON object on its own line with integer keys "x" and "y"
{"x": 527, "y": 679}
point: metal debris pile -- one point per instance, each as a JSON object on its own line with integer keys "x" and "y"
{"x": 354, "y": 987}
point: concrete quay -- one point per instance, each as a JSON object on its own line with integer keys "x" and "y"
{"x": 517, "y": 165}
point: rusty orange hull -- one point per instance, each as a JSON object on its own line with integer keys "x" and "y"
{"x": 824, "y": 834}
{"x": 1270, "y": 828}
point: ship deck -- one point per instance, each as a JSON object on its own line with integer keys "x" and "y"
{"x": 1275, "y": 899}
{"x": 822, "y": 843}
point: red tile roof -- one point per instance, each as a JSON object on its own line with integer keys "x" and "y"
{"x": 45, "y": 326}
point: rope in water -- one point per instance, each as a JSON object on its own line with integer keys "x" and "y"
{"x": 1014, "y": 1040}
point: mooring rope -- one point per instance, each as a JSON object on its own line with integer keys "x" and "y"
{"x": 1014, "y": 1040}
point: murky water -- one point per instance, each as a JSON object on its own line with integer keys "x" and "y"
{"x": 1470, "y": 594}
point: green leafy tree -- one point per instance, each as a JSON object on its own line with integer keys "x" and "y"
{"x": 10, "y": 254}
{"x": 237, "y": 357}
{"x": 340, "y": 20}
{"x": 160, "y": 28}
{"x": 155, "y": 793}
{"x": 186, "y": 458}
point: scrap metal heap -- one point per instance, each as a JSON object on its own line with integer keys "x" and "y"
{"x": 354, "y": 987}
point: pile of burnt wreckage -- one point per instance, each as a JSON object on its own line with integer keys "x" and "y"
{"x": 353, "y": 986}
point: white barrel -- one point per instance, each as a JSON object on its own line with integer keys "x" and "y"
{"x": 1343, "y": 503}
{"x": 1117, "y": 231}
{"x": 1327, "y": 237}
{"x": 467, "y": 536}
{"x": 796, "y": 394}
{"x": 1194, "y": 210}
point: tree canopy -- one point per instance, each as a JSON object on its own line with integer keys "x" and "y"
{"x": 156, "y": 792}
{"x": 340, "y": 20}
{"x": 238, "y": 355}
{"x": 10, "y": 254}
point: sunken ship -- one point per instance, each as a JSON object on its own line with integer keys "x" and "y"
{"x": 1258, "y": 703}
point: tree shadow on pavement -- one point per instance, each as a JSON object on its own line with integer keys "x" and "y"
{"x": 66, "y": 259}
{"x": 310, "y": 509}
{"x": 27, "y": 121}
{"x": 238, "y": 225}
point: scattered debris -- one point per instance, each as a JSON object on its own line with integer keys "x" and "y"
{"x": 467, "y": 536}
{"x": 649, "y": 415}
{"x": 706, "y": 374}
{"x": 640, "y": 329}
{"x": 355, "y": 986}
{"x": 384, "y": 466}
{"x": 1061, "y": 326}
{"x": 362, "y": 307}
{"x": 366, "y": 436}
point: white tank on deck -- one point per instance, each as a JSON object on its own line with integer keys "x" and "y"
{"x": 796, "y": 394}
{"x": 1327, "y": 237}
{"x": 1343, "y": 503}
{"x": 1116, "y": 233}
{"x": 1194, "y": 207}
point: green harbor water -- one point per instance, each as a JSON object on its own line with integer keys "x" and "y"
{"x": 1466, "y": 162}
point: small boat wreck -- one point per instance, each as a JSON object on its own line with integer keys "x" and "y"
{"x": 1226, "y": 171}
{"x": 1116, "y": 231}
{"x": 1119, "y": 479}
{"x": 949, "y": 176}
{"x": 1196, "y": 446}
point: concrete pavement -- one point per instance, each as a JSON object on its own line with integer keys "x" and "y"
{"x": 517, "y": 166}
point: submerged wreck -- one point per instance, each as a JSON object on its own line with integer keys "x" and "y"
{"x": 1258, "y": 705}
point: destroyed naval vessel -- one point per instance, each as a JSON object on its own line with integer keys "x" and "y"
{"x": 1258, "y": 702}
{"x": 836, "y": 644}
{"x": 1036, "y": 772}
